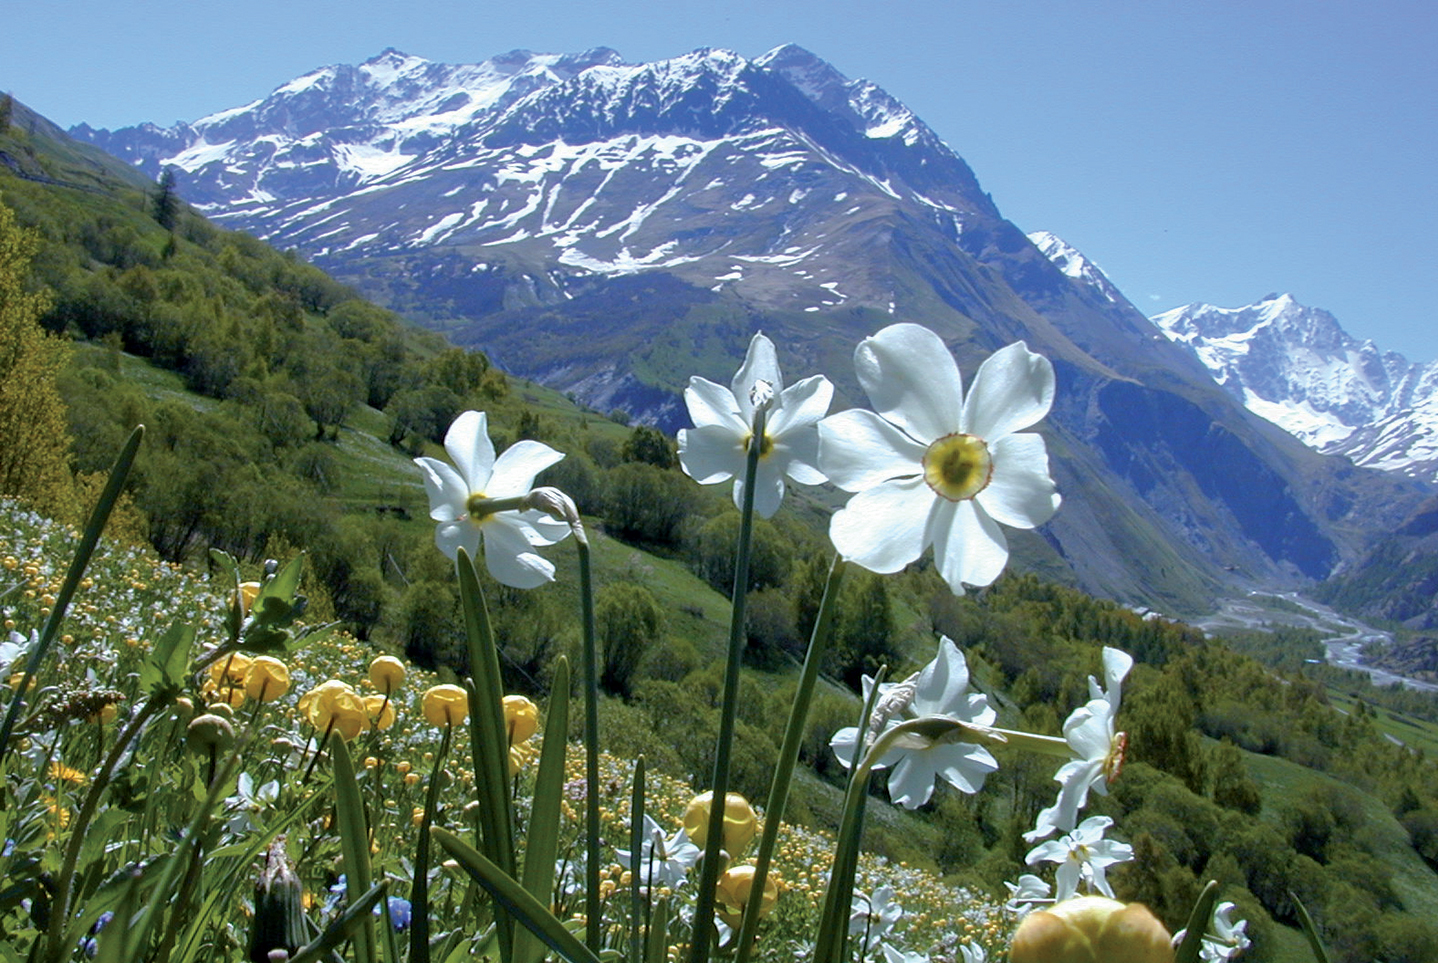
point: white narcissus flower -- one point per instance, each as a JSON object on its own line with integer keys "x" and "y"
{"x": 664, "y": 862}
{"x": 1082, "y": 854}
{"x": 872, "y": 917}
{"x": 940, "y": 689}
{"x": 454, "y": 492}
{"x": 716, "y": 448}
{"x": 1098, "y": 749}
{"x": 1026, "y": 892}
{"x": 932, "y": 467}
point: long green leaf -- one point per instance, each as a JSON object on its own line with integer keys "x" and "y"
{"x": 351, "y": 923}
{"x": 1315, "y": 943}
{"x": 658, "y": 935}
{"x": 489, "y": 742}
{"x": 542, "y": 840}
{"x": 728, "y": 706}
{"x": 832, "y": 937}
{"x": 593, "y": 908}
{"x": 1198, "y": 918}
{"x": 794, "y": 734}
{"x": 419, "y": 892}
{"x": 88, "y": 541}
{"x": 354, "y": 842}
{"x": 513, "y": 897}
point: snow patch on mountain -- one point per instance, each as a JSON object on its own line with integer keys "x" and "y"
{"x": 1071, "y": 262}
{"x": 1296, "y": 367}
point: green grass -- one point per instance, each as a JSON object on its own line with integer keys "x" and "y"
{"x": 1409, "y": 730}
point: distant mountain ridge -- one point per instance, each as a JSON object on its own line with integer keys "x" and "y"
{"x": 610, "y": 229}
{"x": 1295, "y": 366}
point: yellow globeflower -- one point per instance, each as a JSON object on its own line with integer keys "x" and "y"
{"x": 386, "y": 673}
{"x": 740, "y": 822}
{"x": 230, "y": 669}
{"x": 380, "y": 711}
{"x": 267, "y": 679}
{"x": 1092, "y": 929}
{"x": 445, "y": 705}
{"x": 521, "y": 718}
{"x": 249, "y": 591}
{"x": 732, "y": 891}
{"x": 334, "y": 706}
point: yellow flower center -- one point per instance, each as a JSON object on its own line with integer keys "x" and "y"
{"x": 474, "y": 507}
{"x": 958, "y": 466}
{"x": 766, "y": 444}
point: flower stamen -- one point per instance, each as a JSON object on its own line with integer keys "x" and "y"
{"x": 958, "y": 466}
{"x": 1113, "y": 762}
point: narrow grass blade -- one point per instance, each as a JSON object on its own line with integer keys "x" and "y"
{"x": 542, "y": 841}
{"x": 636, "y": 862}
{"x": 88, "y": 541}
{"x": 1187, "y": 951}
{"x": 354, "y": 843}
{"x": 510, "y": 895}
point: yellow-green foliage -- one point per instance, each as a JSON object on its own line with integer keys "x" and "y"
{"x": 32, "y": 416}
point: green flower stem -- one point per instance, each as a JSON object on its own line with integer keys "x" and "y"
{"x": 489, "y": 743}
{"x": 719, "y": 785}
{"x": 479, "y": 507}
{"x": 593, "y": 922}
{"x": 88, "y": 542}
{"x": 830, "y": 942}
{"x": 789, "y": 752}
{"x": 419, "y": 891}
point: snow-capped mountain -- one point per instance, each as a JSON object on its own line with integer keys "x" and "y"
{"x": 611, "y": 228}
{"x": 1072, "y": 263}
{"x": 1295, "y": 366}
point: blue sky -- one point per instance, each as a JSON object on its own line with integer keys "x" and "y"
{"x": 1215, "y": 151}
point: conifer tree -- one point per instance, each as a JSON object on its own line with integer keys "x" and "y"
{"x": 167, "y": 202}
{"x": 34, "y": 436}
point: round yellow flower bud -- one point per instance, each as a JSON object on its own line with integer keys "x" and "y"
{"x": 267, "y": 679}
{"x": 386, "y": 673}
{"x": 1092, "y": 929}
{"x": 732, "y": 892}
{"x": 521, "y": 718}
{"x": 380, "y": 711}
{"x": 740, "y": 822}
{"x": 445, "y": 705}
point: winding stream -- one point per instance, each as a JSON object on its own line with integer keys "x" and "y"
{"x": 1344, "y": 636}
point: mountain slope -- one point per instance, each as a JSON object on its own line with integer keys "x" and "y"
{"x": 610, "y": 229}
